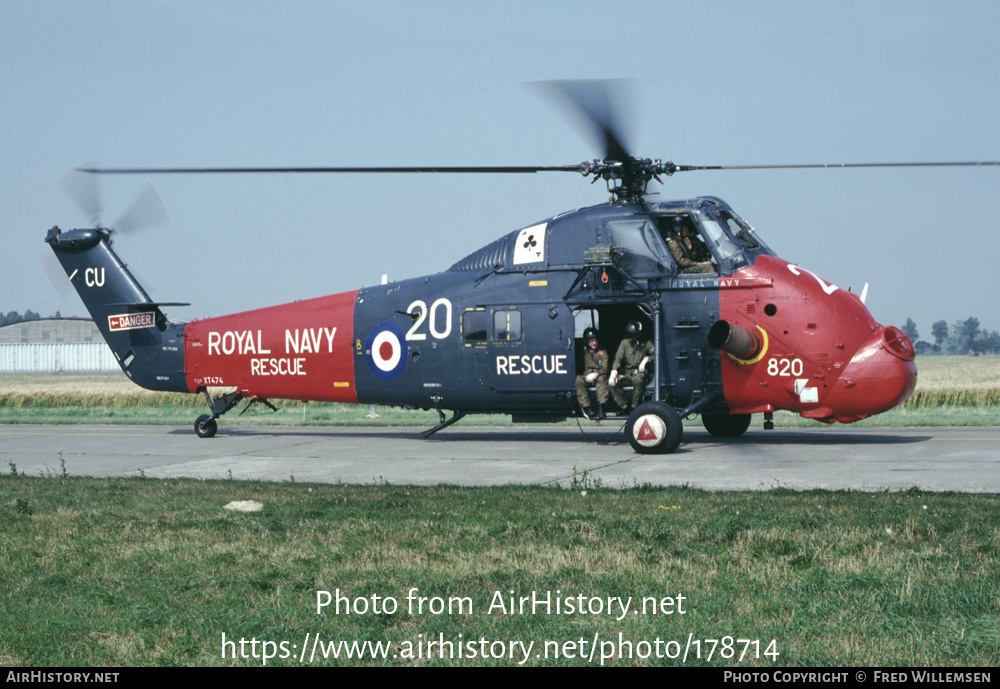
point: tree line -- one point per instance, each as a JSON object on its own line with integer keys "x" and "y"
{"x": 12, "y": 317}
{"x": 962, "y": 337}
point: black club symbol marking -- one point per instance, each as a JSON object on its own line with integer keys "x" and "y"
{"x": 531, "y": 242}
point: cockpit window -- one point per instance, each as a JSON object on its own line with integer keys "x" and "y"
{"x": 645, "y": 252}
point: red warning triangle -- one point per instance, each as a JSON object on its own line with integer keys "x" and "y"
{"x": 646, "y": 431}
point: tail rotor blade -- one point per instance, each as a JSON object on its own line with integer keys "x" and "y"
{"x": 85, "y": 191}
{"x": 146, "y": 211}
{"x": 56, "y": 275}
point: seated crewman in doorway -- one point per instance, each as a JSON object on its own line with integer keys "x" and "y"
{"x": 596, "y": 364}
{"x": 633, "y": 365}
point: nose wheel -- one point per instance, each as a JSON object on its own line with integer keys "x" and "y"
{"x": 654, "y": 428}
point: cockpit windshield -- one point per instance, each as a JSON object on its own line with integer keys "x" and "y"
{"x": 724, "y": 246}
{"x": 732, "y": 239}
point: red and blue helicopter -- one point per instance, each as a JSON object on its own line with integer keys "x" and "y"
{"x": 501, "y": 330}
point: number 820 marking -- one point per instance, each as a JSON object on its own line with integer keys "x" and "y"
{"x": 785, "y": 367}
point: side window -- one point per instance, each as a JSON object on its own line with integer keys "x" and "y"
{"x": 644, "y": 251}
{"x": 507, "y": 325}
{"x": 474, "y": 326}
{"x": 586, "y": 318}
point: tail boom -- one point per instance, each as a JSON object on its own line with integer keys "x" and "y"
{"x": 148, "y": 347}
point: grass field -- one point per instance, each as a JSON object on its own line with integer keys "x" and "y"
{"x": 127, "y": 572}
{"x": 957, "y": 381}
{"x": 138, "y": 572}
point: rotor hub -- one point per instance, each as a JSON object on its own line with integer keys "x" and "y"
{"x": 627, "y": 179}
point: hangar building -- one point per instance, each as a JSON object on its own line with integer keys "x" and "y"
{"x": 54, "y": 345}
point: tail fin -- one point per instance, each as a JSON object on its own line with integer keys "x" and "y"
{"x": 149, "y": 348}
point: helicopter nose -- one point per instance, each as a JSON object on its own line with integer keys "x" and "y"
{"x": 880, "y": 376}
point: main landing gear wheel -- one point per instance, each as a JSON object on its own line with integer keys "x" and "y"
{"x": 206, "y": 426}
{"x": 726, "y": 425}
{"x": 654, "y": 428}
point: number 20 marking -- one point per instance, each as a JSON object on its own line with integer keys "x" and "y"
{"x": 785, "y": 367}
{"x": 419, "y": 309}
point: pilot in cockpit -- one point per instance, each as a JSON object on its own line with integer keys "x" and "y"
{"x": 687, "y": 248}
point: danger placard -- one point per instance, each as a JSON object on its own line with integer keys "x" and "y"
{"x": 130, "y": 321}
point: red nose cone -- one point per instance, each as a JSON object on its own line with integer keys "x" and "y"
{"x": 880, "y": 376}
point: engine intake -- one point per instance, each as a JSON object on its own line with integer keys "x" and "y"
{"x": 733, "y": 339}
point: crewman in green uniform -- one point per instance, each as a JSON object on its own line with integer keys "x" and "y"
{"x": 633, "y": 365}
{"x": 596, "y": 364}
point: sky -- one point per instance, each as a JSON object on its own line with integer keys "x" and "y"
{"x": 150, "y": 83}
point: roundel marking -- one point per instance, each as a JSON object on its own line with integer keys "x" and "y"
{"x": 386, "y": 351}
{"x": 650, "y": 430}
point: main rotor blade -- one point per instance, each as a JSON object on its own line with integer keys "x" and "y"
{"x": 581, "y": 168}
{"x": 601, "y": 104}
{"x": 689, "y": 168}
{"x": 237, "y": 170}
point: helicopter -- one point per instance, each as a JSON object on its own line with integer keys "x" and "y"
{"x": 501, "y": 330}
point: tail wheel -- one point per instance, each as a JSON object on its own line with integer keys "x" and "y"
{"x": 723, "y": 425}
{"x": 206, "y": 426}
{"x": 654, "y": 428}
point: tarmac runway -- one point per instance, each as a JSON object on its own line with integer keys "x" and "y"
{"x": 871, "y": 459}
